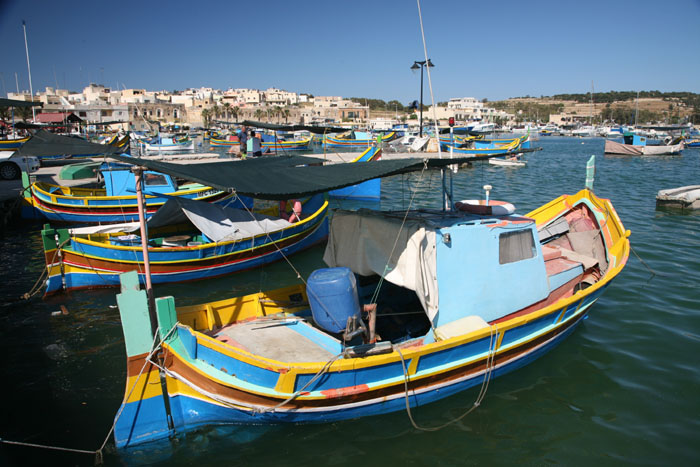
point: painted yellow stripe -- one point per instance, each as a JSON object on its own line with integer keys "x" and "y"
{"x": 308, "y": 220}
{"x": 39, "y": 187}
{"x": 144, "y": 387}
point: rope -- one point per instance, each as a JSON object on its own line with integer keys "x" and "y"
{"x": 430, "y": 81}
{"x": 36, "y": 288}
{"x": 99, "y": 458}
{"x": 488, "y": 371}
{"x": 375, "y": 295}
{"x": 255, "y": 409}
{"x": 653, "y": 273}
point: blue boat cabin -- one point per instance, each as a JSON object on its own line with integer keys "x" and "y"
{"x": 120, "y": 181}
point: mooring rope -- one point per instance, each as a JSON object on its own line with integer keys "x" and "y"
{"x": 99, "y": 458}
{"x": 488, "y": 371}
{"x": 36, "y": 288}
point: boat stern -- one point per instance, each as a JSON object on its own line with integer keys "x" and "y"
{"x": 144, "y": 414}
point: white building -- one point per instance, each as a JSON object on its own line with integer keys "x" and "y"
{"x": 274, "y": 96}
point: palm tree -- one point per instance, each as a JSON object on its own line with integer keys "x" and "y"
{"x": 277, "y": 111}
{"x": 258, "y": 114}
{"x": 206, "y": 115}
{"x": 234, "y": 112}
{"x": 215, "y": 111}
{"x": 227, "y": 109}
{"x": 285, "y": 112}
{"x": 25, "y": 113}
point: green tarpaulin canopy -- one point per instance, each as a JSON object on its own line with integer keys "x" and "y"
{"x": 45, "y": 143}
{"x": 285, "y": 177}
{"x": 321, "y": 130}
{"x": 13, "y": 103}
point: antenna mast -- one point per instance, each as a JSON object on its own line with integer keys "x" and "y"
{"x": 29, "y": 69}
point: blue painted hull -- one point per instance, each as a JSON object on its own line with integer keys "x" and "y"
{"x": 365, "y": 191}
{"x": 190, "y": 413}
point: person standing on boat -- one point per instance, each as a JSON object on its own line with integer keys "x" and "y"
{"x": 254, "y": 145}
{"x": 243, "y": 140}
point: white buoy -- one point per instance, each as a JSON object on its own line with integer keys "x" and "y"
{"x": 488, "y": 189}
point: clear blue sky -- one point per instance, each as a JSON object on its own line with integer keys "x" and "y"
{"x": 482, "y": 49}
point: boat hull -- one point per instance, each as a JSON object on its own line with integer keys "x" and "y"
{"x": 199, "y": 402}
{"x": 83, "y": 263}
{"x": 613, "y": 147}
{"x": 210, "y": 381}
{"x": 92, "y": 207}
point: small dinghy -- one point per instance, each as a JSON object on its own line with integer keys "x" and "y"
{"x": 512, "y": 161}
{"x": 685, "y": 197}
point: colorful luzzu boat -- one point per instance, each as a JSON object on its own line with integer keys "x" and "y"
{"x": 437, "y": 322}
{"x": 636, "y": 145}
{"x": 164, "y": 145}
{"x": 114, "y": 203}
{"x": 188, "y": 240}
{"x": 224, "y": 141}
{"x": 269, "y": 144}
{"x": 368, "y": 191}
{"x": 363, "y": 141}
{"x": 499, "y": 146}
{"x": 7, "y": 144}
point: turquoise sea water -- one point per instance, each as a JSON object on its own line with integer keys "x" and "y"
{"x": 624, "y": 387}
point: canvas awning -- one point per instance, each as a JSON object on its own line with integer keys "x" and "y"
{"x": 285, "y": 177}
{"x": 403, "y": 252}
{"x": 58, "y": 117}
{"x": 45, "y": 143}
{"x": 321, "y": 130}
{"x": 217, "y": 222}
{"x": 15, "y": 103}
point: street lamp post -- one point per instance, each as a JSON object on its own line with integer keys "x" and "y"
{"x": 416, "y": 65}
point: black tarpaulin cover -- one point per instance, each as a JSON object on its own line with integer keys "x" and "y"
{"x": 284, "y": 177}
{"x": 45, "y": 143}
{"x": 14, "y": 103}
{"x": 310, "y": 128}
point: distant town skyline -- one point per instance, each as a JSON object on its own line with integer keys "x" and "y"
{"x": 360, "y": 49}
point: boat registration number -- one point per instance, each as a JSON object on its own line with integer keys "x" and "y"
{"x": 208, "y": 193}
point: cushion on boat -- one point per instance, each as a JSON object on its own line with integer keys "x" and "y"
{"x": 550, "y": 253}
{"x": 587, "y": 261}
{"x": 589, "y": 243}
{"x": 460, "y": 327}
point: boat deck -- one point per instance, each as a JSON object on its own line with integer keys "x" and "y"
{"x": 275, "y": 339}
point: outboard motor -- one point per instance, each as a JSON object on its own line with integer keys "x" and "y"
{"x": 334, "y": 301}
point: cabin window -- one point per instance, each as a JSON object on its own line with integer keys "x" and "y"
{"x": 155, "y": 179}
{"x": 516, "y": 246}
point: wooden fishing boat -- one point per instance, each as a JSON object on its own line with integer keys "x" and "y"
{"x": 165, "y": 145}
{"x": 116, "y": 202}
{"x": 515, "y": 160}
{"x": 188, "y": 240}
{"x": 437, "y": 321}
{"x": 224, "y": 141}
{"x": 636, "y": 145}
{"x": 14, "y": 143}
{"x": 483, "y": 147}
{"x": 285, "y": 145}
{"x": 333, "y": 142}
{"x": 684, "y": 197}
{"x": 370, "y": 190}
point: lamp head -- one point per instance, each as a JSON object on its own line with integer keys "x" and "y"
{"x": 430, "y": 63}
{"x": 415, "y": 66}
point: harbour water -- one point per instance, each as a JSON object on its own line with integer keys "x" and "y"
{"x": 624, "y": 387}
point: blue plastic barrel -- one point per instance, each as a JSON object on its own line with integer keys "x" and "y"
{"x": 333, "y": 297}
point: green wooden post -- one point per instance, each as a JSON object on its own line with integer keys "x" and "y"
{"x": 167, "y": 316}
{"x": 590, "y": 172}
{"x": 133, "y": 310}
